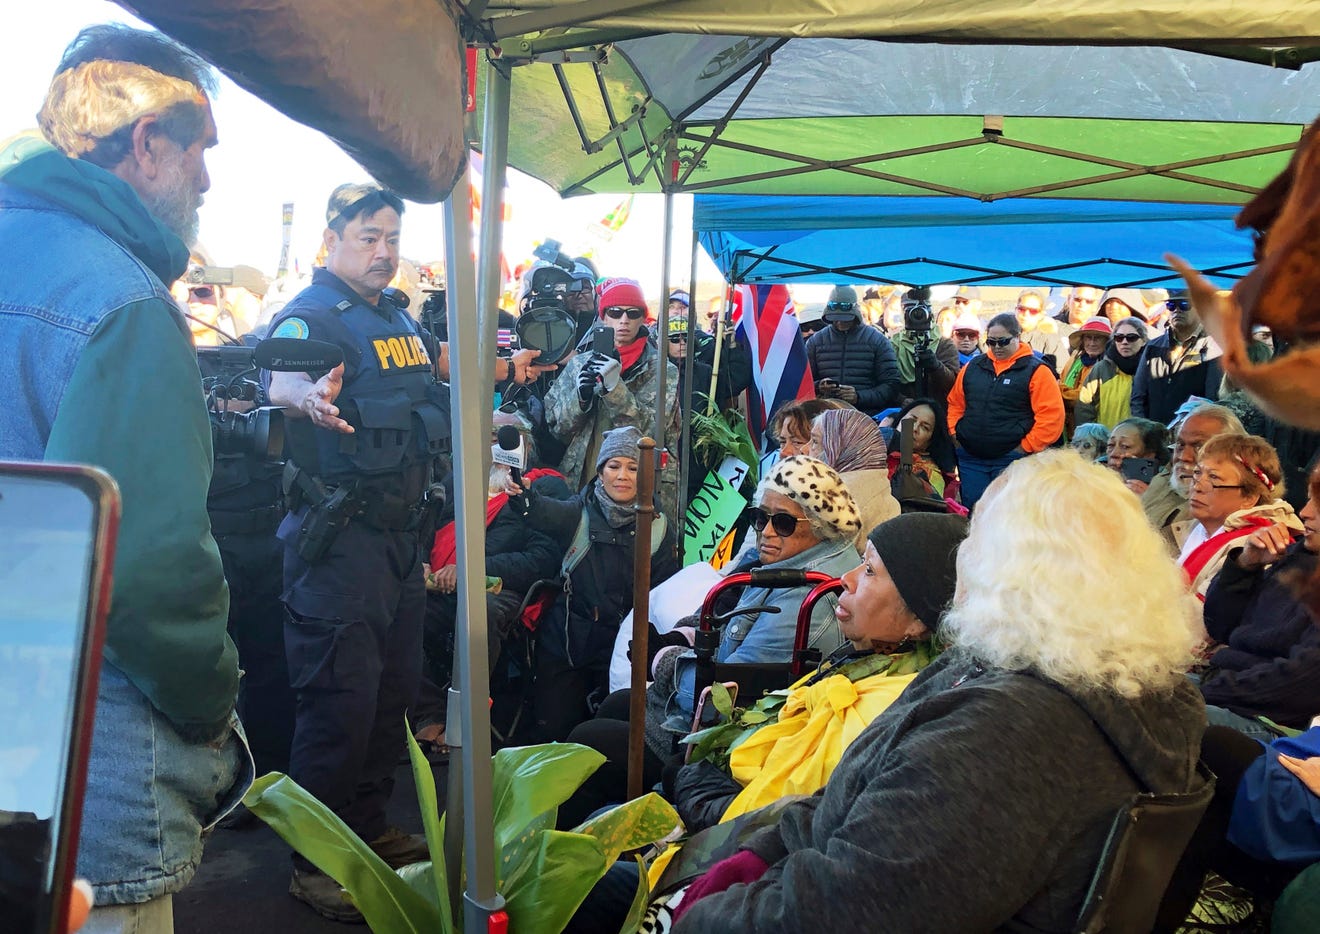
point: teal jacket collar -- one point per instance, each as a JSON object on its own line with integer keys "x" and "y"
{"x": 32, "y": 165}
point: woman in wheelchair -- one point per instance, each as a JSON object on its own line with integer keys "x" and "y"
{"x": 983, "y": 797}
{"x": 804, "y": 519}
{"x": 792, "y": 741}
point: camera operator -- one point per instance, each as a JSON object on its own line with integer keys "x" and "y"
{"x": 927, "y": 363}
{"x": 245, "y": 506}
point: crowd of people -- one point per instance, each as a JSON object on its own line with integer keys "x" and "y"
{"x": 1052, "y": 533}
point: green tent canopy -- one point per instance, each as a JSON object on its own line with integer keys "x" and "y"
{"x": 858, "y": 117}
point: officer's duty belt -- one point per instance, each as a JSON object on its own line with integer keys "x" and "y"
{"x": 246, "y": 522}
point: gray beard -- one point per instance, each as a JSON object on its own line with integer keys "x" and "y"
{"x": 176, "y": 206}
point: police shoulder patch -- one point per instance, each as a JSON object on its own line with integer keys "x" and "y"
{"x": 292, "y": 327}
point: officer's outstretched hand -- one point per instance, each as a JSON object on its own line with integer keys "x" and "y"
{"x": 523, "y": 370}
{"x": 318, "y": 405}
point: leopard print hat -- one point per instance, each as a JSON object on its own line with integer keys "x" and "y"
{"x": 821, "y": 493}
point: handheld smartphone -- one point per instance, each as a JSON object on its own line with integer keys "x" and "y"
{"x": 706, "y": 714}
{"x": 602, "y": 341}
{"x": 57, "y": 533}
{"x": 1139, "y": 468}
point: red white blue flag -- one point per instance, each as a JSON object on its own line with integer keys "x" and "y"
{"x": 766, "y": 322}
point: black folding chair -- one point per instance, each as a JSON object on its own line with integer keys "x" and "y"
{"x": 1145, "y": 845}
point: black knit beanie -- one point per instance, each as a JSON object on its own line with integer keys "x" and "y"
{"x": 919, "y": 550}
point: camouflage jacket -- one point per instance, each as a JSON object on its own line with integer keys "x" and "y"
{"x": 631, "y": 402}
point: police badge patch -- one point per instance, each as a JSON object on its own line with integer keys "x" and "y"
{"x": 292, "y": 327}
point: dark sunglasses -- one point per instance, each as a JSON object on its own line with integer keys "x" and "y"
{"x": 678, "y": 338}
{"x": 784, "y": 524}
{"x": 999, "y": 341}
{"x": 203, "y": 292}
{"x": 618, "y": 311}
{"x": 840, "y": 306}
{"x": 1178, "y": 304}
{"x": 1126, "y": 338}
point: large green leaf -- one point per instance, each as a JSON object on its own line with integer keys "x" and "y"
{"x": 632, "y": 825}
{"x": 420, "y": 880}
{"x": 561, "y": 869}
{"x": 428, "y": 802}
{"x": 637, "y": 911}
{"x": 385, "y": 900}
{"x": 528, "y": 781}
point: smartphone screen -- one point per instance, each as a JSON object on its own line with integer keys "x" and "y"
{"x": 55, "y": 525}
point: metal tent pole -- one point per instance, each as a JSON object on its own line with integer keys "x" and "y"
{"x": 662, "y": 325}
{"x": 685, "y": 420}
{"x": 495, "y": 158}
{"x": 471, "y": 375}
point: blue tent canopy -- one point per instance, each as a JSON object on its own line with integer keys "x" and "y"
{"x": 929, "y": 240}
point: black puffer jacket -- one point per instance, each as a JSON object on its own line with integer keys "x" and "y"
{"x": 1270, "y": 662}
{"x": 517, "y": 554}
{"x": 599, "y": 594}
{"x": 860, "y": 357}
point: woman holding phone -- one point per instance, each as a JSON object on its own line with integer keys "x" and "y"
{"x": 1136, "y": 450}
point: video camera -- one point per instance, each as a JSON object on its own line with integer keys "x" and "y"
{"x": 917, "y": 316}
{"x": 229, "y": 375}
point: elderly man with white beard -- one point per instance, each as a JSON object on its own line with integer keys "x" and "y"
{"x": 1165, "y": 500}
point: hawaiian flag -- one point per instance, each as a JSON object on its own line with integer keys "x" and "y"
{"x": 766, "y": 321}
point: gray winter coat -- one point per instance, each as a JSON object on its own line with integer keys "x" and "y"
{"x": 979, "y": 801}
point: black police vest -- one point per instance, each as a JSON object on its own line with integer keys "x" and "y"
{"x": 399, "y": 413}
{"x": 999, "y": 412}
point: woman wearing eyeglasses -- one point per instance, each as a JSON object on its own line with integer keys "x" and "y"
{"x": 1004, "y": 405}
{"x": 1088, "y": 344}
{"x": 1090, "y": 440}
{"x": 1268, "y": 662}
{"x": 597, "y": 392}
{"x": 1237, "y": 488}
{"x": 1106, "y": 393}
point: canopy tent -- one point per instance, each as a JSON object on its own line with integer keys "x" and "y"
{"x": 926, "y": 241}
{"x": 856, "y": 117}
{"x": 1270, "y": 22}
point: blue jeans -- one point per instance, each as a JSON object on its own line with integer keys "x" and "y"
{"x": 977, "y": 473}
{"x": 1220, "y": 716}
{"x": 151, "y": 795}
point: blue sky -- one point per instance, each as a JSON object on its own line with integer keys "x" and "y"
{"x": 265, "y": 159}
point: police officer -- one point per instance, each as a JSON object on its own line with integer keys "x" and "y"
{"x": 364, "y": 441}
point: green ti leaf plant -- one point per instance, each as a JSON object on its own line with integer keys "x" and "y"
{"x": 543, "y": 873}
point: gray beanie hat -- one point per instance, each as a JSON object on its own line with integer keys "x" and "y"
{"x": 619, "y": 442}
{"x": 919, "y": 550}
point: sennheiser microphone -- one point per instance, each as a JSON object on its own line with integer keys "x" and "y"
{"x": 294, "y": 355}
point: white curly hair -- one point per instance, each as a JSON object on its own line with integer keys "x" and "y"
{"x": 1062, "y": 574}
